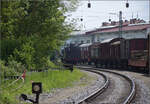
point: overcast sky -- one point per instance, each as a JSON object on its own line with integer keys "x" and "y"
{"x": 101, "y": 10}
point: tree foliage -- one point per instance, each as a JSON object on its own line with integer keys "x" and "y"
{"x": 36, "y": 27}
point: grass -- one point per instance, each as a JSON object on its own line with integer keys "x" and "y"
{"x": 51, "y": 79}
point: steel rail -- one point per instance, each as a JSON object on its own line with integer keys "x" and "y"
{"x": 98, "y": 91}
{"x": 133, "y": 87}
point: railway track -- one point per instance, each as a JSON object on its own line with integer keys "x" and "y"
{"x": 98, "y": 91}
{"x": 119, "y": 89}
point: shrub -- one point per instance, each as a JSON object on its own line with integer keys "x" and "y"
{"x": 13, "y": 68}
{"x": 5, "y": 70}
{"x": 25, "y": 55}
{"x": 50, "y": 64}
{"x": 16, "y": 66}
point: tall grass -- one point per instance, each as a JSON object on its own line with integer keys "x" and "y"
{"x": 50, "y": 79}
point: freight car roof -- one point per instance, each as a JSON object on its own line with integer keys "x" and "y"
{"x": 85, "y": 45}
{"x": 115, "y": 43}
{"x": 107, "y": 40}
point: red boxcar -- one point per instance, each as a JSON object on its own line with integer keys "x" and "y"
{"x": 114, "y": 58}
{"x": 109, "y": 52}
{"x": 137, "y": 52}
{"x": 84, "y": 48}
{"x": 94, "y": 52}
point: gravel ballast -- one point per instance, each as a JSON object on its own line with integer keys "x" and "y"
{"x": 116, "y": 93}
{"x": 142, "y": 88}
{"x": 142, "y": 82}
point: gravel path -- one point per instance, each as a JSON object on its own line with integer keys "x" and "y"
{"x": 72, "y": 95}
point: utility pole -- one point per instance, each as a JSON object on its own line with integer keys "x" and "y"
{"x": 149, "y": 46}
{"x": 120, "y": 35}
{"x": 0, "y": 49}
{"x": 149, "y": 53}
{"x": 120, "y": 24}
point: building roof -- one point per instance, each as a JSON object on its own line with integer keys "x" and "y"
{"x": 124, "y": 28}
{"x": 74, "y": 33}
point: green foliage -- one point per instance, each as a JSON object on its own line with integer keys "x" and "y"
{"x": 32, "y": 30}
{"x": 3, "y": 68}
{"x": 25, "y": 54}
{"x": 41, "y": 18}
{"x": 7, "y": 47}
{"x": 16, "y": 66}
{"x": 12, "y": 68}
{"x": 50, "y": 64}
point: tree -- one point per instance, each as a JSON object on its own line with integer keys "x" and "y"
{"x": 39, "y": 27}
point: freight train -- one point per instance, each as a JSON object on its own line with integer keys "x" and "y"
{"x": 110, "y": 53}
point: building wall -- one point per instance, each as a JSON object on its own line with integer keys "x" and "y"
{"x": 135, "y": 34}
{"x": 98, "y": 37}
{"x": 80, "y": 39}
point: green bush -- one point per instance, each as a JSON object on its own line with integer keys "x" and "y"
{"x": 13, "y": 68}
{"x": 3, "y": 68}
{"x": 16, "y": 66}
{"x": 25, "y": 55}
{"x": 51, "y": 64}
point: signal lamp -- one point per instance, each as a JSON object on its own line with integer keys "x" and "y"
{"x": 36, "y": 87}
{"x": 89, "y": 5}
{"x": 127, "y": 5}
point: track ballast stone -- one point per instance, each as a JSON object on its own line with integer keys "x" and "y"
{"x": 84, "y": 93}
{"x": 142, "y": 93}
